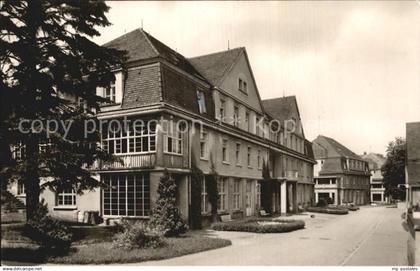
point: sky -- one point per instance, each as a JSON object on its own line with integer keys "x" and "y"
{"x": 353, "y": 66}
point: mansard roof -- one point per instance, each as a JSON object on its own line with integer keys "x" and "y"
{"x": 216, "y": 65}
{"x": 326, "y": 147}
{"x": 140, "y": 45}
{"x": 375, "y": 160}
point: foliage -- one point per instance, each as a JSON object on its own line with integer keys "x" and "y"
{"x": 9, "y": 202}
{"x": 103, "y": 253}
{"x": 46, "y": 231}
{"x": 322, "y": 202}
{"x": 137, "y": 235}
{"x": 48, "y": 62}
{"x": 267, "y": 186}
{"x": 166, "y": 217}
{"x": 328, "y": 210}
{"x": 197, "y": 177}
{"x": 393, "y": 169}
{"x": 266, "y": 226}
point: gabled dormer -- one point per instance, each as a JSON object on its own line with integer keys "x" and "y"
{"x": 231, "y": 73}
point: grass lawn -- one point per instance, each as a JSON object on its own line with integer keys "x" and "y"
{"x": 103, "y": 253}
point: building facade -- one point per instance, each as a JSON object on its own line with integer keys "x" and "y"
{"x": 180, "y": 113}
{"x": 340, "y": 175}
{"x": 377, "y": 188}
{"x": 412, "y": 168}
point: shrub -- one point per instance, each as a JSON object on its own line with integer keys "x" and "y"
{"x": 137, "y": 235}
{"x": 166, "y": 217}
{"x": 322, "y": 202}
{"x": 252, "y": 225}
{"x": 328, "y": 210}
{"x": 46, "y": 231}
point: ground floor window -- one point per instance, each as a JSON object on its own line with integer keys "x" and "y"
{"x": 20, "y": 188}
{"x": 126, "y": 194}
{"x": 222, "y": 189}
{"x": 66, "y": 197}
{"x": 237, "y": 194}
{"x": 376, "y": 197}
{"x": 204, "y": 197}
{"x": 258, "y": 190}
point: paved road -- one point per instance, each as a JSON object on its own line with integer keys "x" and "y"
{"x": 370, "y": 236}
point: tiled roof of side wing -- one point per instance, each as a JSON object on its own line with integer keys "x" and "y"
{"x": 280, "y": 108}
{"x": 215, "y": 66}
{"x": 335, "y": 148}
{"x": 141, "y": 45}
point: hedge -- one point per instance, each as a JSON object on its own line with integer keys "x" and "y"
{"x": 251, "y": 225}
{"x": 327, "y": 210}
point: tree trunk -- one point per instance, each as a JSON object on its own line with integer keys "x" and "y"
{"x": 31, "y": 178}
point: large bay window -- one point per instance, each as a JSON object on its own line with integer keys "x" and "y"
{"x": 139, "y": 137}
{"x": 126, "y": 194}
{"x": 173, "y": 142}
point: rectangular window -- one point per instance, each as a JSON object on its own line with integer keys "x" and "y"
{"x": 245, "y": 87}
{"x": 204, "y": 197}
{"x": 222, "y": 110}
{"x": 259, "y": 164}
{"x": 236, "y": 194}
{"x": 126, "y": 194}
{"x": 236, "y": 115}
{"x": 258, "y": 194}
{"x": 173, "y": 142}
{"x": 201, "y": 102}
{"x": 20, "y": 188}
{"x": 203, "y": 143}
{"x": 225, "y": 157}
{"x": 66, "y": 197}
{"x": 240, "y": 84}
{"x": 248, "y": 159}
{"x": 135, "y": 138}
{"x": 247, "y": 123}
{"x": 109, "y": 92}
{"x": 238, "y": 154}
{"x": 222, "y": 189}
{"x": 257, "y": 126}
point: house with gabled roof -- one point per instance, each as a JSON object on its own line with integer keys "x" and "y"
{"x": 203, "y": 112}
{"x": 377, "y": 187}
{"x": 340, "y": 175}
{"x": 412, "y": 164}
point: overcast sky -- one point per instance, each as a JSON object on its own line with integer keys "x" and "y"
{"x": 353, "y": 66}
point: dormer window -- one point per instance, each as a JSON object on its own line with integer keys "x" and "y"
{"x": 242, "y": 86}
{"x": 201, "y": 102}
{"x": 109, "y": 92}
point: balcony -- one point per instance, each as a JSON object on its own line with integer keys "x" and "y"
{"x": 129, "y": 161}
{"x": 291, "y": 175}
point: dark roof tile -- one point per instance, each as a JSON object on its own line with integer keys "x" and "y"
{"x": 215, "y": 66}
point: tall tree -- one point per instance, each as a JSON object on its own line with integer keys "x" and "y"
{"x": 393, "y": 170}
{"x": 48, "y": 63}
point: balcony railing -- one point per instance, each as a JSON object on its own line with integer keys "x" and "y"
{"x": 292, "y": 175}
{"x": 129, "y": 161}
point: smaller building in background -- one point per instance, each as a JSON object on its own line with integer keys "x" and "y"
{"x": 377, "y": 188}
{"x": 412, "y": 167}
{"x": 340, "y": 175}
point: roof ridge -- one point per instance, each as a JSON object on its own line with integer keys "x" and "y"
{"x": 278, "y": 98}
{"x": 148, "y": 40}
{"x": 215, "y": 53}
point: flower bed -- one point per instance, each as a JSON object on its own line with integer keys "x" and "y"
{"x": 260, "y": 225}
{"x": 328, "y": 210}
